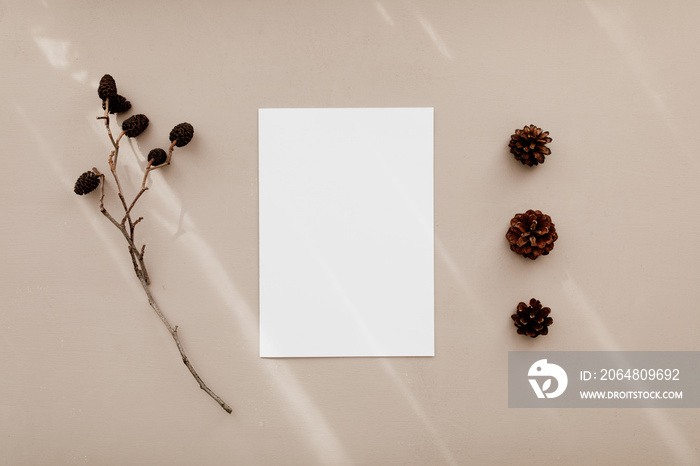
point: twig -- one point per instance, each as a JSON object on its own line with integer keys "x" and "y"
{"x": 167, "y": 160}
{"x": 105, "y": 117}
{"x": 185, "y": 359}
{"x": 112, "y": 160}
{"x": 126, "y": 227}
{"x": 113, "y": 165}
{"x": 143, "y": 189}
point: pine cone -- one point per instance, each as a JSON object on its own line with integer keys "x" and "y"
{"x": 117, "y": 104}
{"x": 86, "y": 183}
{"x": 135, "y": 125}
{"x": 157, "y": 156}
{"x": 532, "y": 320}
{"x": 182, "y": 133}
{"x": 107, "y": 88}
{"x": 531, "y": 234}
{"x": 529, "y": 145}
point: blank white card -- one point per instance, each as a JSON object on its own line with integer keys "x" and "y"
{"x": 346, "y": 232}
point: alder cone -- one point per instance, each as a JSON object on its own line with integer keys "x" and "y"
{"x": 157, "y": 157}
{"x": 117, "y": 104}
{"x": 135, "y": 125}
{"x": 528, "y": 145}
{"x": 86, "y": 183}
{"x": 531, "y": 234}
{"x": 107, "y": 88}
{"x": 182, "y": 134}
{"x": 533, "y": 319}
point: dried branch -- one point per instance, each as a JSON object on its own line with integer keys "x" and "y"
{"x": 143, "y": 189}
{"x": 127, "y": 226}
{"x": 185, "y": 359}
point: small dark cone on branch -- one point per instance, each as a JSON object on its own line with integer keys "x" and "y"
{"x": 86, "y": 183}
{"x": 157, "y": 157}
{"x": 531, "y": 234}
{"x": 107, "y": 88}
{"x": 182, "y": 133}
{"x": 528, "y": 145}
{"x": 117, "y": 104}
{"x": 533, "y": 319}
{"x": 135, "y": 125}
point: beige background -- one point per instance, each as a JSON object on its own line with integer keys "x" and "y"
{"x": 88, "y": 375}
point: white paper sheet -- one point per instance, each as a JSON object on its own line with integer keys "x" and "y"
{"x": 346, "y": 232}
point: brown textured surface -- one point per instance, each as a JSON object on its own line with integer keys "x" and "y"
{"x": 89, "y": 374}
